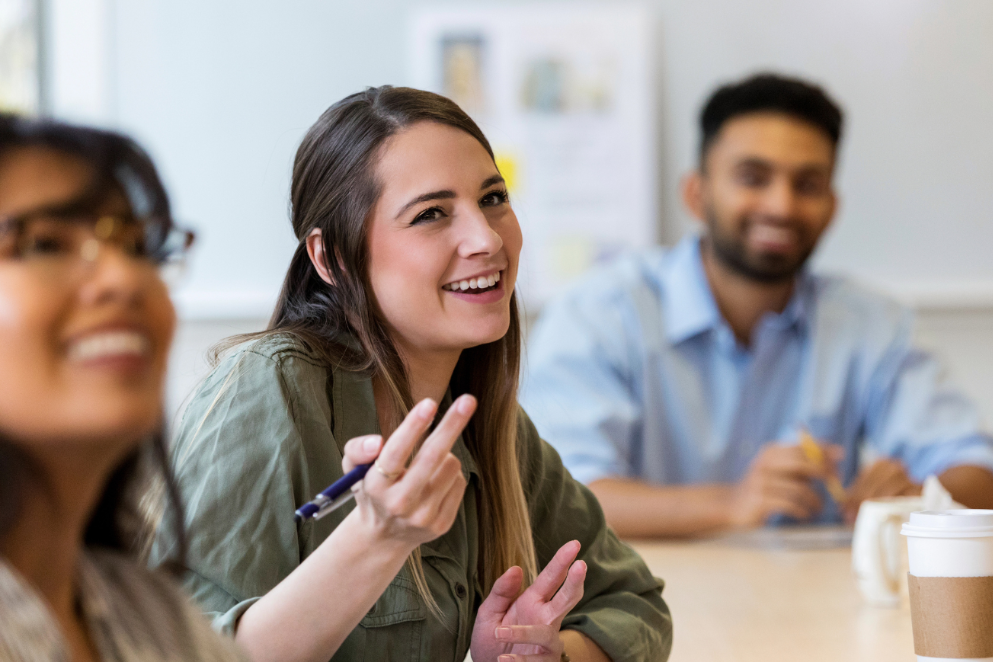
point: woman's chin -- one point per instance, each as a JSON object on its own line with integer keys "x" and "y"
{"x": 126, "y": 423}
{"x": 485, "y": 334}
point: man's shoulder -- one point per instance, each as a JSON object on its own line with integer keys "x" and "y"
{"x": 842, "y": 300}
{"x": 621, "y": 279}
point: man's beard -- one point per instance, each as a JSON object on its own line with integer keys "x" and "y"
{"x": 766, "y": 268}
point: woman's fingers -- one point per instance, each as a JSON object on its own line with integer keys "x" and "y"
{"x": 550, "y": 579}
{"x": 410, "y": 492}
{"x": 428, "y": 512}
{"x": 571, "y": 592}
{"x": 361, "y": 450}
{"x": 400, "y": 445}
{"x": 546, "y": 636}
{"x": 439, "y": 443}
{"x": 503, "y": 594}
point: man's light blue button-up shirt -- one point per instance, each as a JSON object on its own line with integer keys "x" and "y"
{"x": 635, "y": 373}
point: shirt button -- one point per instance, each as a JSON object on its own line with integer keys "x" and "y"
{"x": 460, "y": 591}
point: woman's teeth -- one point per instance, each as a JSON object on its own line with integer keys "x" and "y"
{"x": 112, "y": 344}
{"x": 481, "y": 283}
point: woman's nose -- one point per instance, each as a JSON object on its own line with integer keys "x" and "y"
{"x": 477, "y": 236}
{"x": 110, "y": 273}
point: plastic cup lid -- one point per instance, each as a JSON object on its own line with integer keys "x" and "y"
{"x": 962, "y": 523}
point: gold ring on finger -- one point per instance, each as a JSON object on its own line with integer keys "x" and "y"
{"x": 388, "y": 475}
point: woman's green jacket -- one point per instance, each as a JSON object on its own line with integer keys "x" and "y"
{"x": 264, "y": 433}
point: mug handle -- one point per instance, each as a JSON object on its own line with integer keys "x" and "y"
{"x": 892, "y": 579}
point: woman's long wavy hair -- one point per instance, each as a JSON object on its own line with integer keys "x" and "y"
{"x": 334, "y": 190}
{"x": 118, "y": 165}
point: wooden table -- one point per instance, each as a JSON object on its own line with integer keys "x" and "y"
{"x": 741, "y": 599}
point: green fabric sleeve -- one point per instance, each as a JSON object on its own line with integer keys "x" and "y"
{"x": 242, "y": 471}
{"x": 622, "y": 608}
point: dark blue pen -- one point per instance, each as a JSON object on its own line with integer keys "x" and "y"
{"x": 332, "y": 498}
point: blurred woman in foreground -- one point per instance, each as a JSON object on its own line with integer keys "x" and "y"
{"x": 85, "y": 327}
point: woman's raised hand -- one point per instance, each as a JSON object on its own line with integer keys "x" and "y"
{"x": 524, "y": 627}
{"x": 417, "y": 503}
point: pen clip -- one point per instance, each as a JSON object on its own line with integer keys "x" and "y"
{"x": 330, "y": 505}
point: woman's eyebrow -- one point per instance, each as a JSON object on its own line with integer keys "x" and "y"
{"x": 495, "y": 179}
{"x": 425, "y": 197}
{"x": 445, "y": 194}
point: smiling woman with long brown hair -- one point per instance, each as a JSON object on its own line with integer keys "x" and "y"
{"x": 399, "y": 302}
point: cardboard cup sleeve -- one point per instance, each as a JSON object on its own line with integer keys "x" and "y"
{"x": 952, "y": 616}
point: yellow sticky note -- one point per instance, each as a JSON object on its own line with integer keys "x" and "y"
{"x": 507, "y": 165}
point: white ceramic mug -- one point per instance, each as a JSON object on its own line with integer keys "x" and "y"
{"x": 878, "y": 550}
{"x": 951, "y": 576}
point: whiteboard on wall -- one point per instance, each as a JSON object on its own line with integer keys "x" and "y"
{"x": 565, "y": 96}
{"x": 221, "y": 98}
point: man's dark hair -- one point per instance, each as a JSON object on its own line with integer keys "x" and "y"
{"x": 767, "y": 92}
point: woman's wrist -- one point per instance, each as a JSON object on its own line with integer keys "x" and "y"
{"x": 369, "y": 536}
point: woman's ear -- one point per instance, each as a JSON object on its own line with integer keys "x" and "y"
{"x": 315, "y": 249}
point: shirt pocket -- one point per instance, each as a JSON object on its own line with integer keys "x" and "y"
{"x": 393, "y": 627}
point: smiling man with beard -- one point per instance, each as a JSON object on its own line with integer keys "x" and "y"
{"x": 677, "y": 383}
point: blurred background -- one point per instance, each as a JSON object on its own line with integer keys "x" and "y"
{"x": 592, "y": 110}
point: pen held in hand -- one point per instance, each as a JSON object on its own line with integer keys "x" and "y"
{"x": 812, "y": 451}
{"x": 334, "y": 497}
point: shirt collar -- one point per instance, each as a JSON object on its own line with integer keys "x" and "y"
{"x": 800, "y": 307}
{"x": 689, "y": 307}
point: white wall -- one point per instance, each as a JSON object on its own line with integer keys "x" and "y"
{"x": 221, "y": 96}
{"x": 915, "y": 78}
{"x": 79, "y": 60}
{"x": 222, "y": 93}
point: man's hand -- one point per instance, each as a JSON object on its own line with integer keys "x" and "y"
{"x": 779, "y": 482}
{"x": 883, "y": 478}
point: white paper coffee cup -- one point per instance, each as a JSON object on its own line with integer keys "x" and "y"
{"x": 951, "y": 584}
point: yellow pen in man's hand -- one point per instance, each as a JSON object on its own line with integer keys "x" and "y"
{"x": 812, "y": 451}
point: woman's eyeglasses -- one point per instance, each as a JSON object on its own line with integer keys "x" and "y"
{"x": 69, "y": 237}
